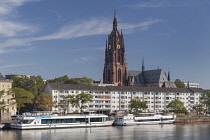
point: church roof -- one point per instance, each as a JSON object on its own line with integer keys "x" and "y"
{"x": 1, "y": 77}
{"x": 169, "y": 84}
{"x": 148, "y": 76}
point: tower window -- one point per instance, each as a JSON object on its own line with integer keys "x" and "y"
{"x": 119, "y": 75}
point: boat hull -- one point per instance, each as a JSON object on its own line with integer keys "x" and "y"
{"x": 54, "y": 126}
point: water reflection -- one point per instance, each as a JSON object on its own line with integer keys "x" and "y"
{"x": 149, "y": 132}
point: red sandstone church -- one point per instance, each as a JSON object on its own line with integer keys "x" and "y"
{"x": 116, "y": 69}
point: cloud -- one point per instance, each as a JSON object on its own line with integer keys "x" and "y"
{"x": 93, "y": 27}
{"x": 85, "y": 49}
{"x": 145, "y": 25}
{"x": 83, "y": 59}
{"x": 9, "y": 29}
{"x": 167, "y": 3}
{"x": 11, "y": 66}
{"x": 80, "y": 29}
{"x": 152, "y": 4}
{"x": 7, "y": 6}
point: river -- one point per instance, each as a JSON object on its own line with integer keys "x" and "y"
{"x": 198, "y": 131}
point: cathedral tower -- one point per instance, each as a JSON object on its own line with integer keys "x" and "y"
{"x": 115, "y": 67}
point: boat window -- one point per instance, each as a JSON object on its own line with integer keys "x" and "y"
{"x": 95, "y": 119}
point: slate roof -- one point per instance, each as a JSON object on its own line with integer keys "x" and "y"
{"x": 1, "y": 77}
{"x": 147, "y": 77}
{"x": 169, "y": 84}
{"x": 56, "y": 86}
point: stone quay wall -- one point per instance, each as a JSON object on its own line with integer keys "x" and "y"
{"x": 192, "y": 120}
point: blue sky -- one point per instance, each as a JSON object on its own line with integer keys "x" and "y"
{"x": 53, "y": 38}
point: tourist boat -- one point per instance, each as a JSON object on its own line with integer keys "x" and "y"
{"x": 1, "y": 126}
{"x": 144, "y": 118}
{"x": 56, "y": 121}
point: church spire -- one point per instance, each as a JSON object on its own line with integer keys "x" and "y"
{"x": 169, "y": 77}
{"x": 115, "y": 21}
{"x": 143, "y": 67}
{"x": 106, "y": 46}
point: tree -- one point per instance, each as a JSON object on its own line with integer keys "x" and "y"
{"x": 33, "y": 84}
{"x": 198, "y": 108}
{"x": 179, "y": 83}
{"x": 64, "y": 103}
{"x": 80, "y": 100}
{"x": 22, "y": 97}
{"x": 3, "y": 106}
{"x": 45, "y": 102}
{"x": 136, "y": 104}
{"x": 74, "y": 81}
{"x": 177, "y": 106}
{"x": 61, "y": 80}
{"x": 205, "y": 99}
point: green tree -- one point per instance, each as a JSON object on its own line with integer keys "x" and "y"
{"x": 45, "y": 102}
{"x": 179, "y": 83}
{"x": 205, "y": 99}
{"x": 64, "y": 103}
{"x": 74, "y": 81}
{"x": 3, "y": 106}
{"x": 136, "y": 105}
{"x": 2, "y": 103}
{"x": 80, "y": 100}
{"x": 198, "y": 108}
{"x": 177, "y": 106}
{"x": 22, "y": 97}
{"x": 61, "y": 80}
{"x": 33, "y": 84}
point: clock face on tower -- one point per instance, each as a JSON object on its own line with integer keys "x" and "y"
{"x": 118, "y": 46}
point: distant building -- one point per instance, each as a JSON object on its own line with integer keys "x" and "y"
{"x": 11, "y": 76}
{"x": 192, "y": 85}
{"x": 6, "y": 85}
{"x": 114, "y": 98}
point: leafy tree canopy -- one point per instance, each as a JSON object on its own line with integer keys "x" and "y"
{"x": 80, "y": 100}
{"x": 74, "y": 81}
{"x": 33, "y": 84}
{"x": 136, "y": 105}
{"x": 205, "y": 99}
{"x": 22, "y": 97}
{"x": 179, "y": 83}
{"x": 177, "y": 106}
{"x": 45, "y": 102}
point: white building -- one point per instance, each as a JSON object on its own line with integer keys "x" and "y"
{"x": 115, "y": 98}
{"x": 6, "y": 85}
{"x": 192, "y": 85}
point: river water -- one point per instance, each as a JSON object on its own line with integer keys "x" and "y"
{"x": 198, "y": 131}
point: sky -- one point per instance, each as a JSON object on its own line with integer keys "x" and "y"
{"x": 53, "y": 38}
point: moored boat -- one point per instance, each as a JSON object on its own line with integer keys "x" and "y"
{"x": 144, "y": 118}
{"x": 56, "y": 121}
{"x": 1, "y": 126}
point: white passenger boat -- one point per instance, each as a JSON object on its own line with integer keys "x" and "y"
{"x": 1, "y": 126}
{"x": 140, "y": 119}
{"x": 55, "y": 121}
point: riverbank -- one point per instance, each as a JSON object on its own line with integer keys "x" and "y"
{"x": 192, "y": 120}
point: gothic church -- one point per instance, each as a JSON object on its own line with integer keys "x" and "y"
{"x": 116, "y": 69}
